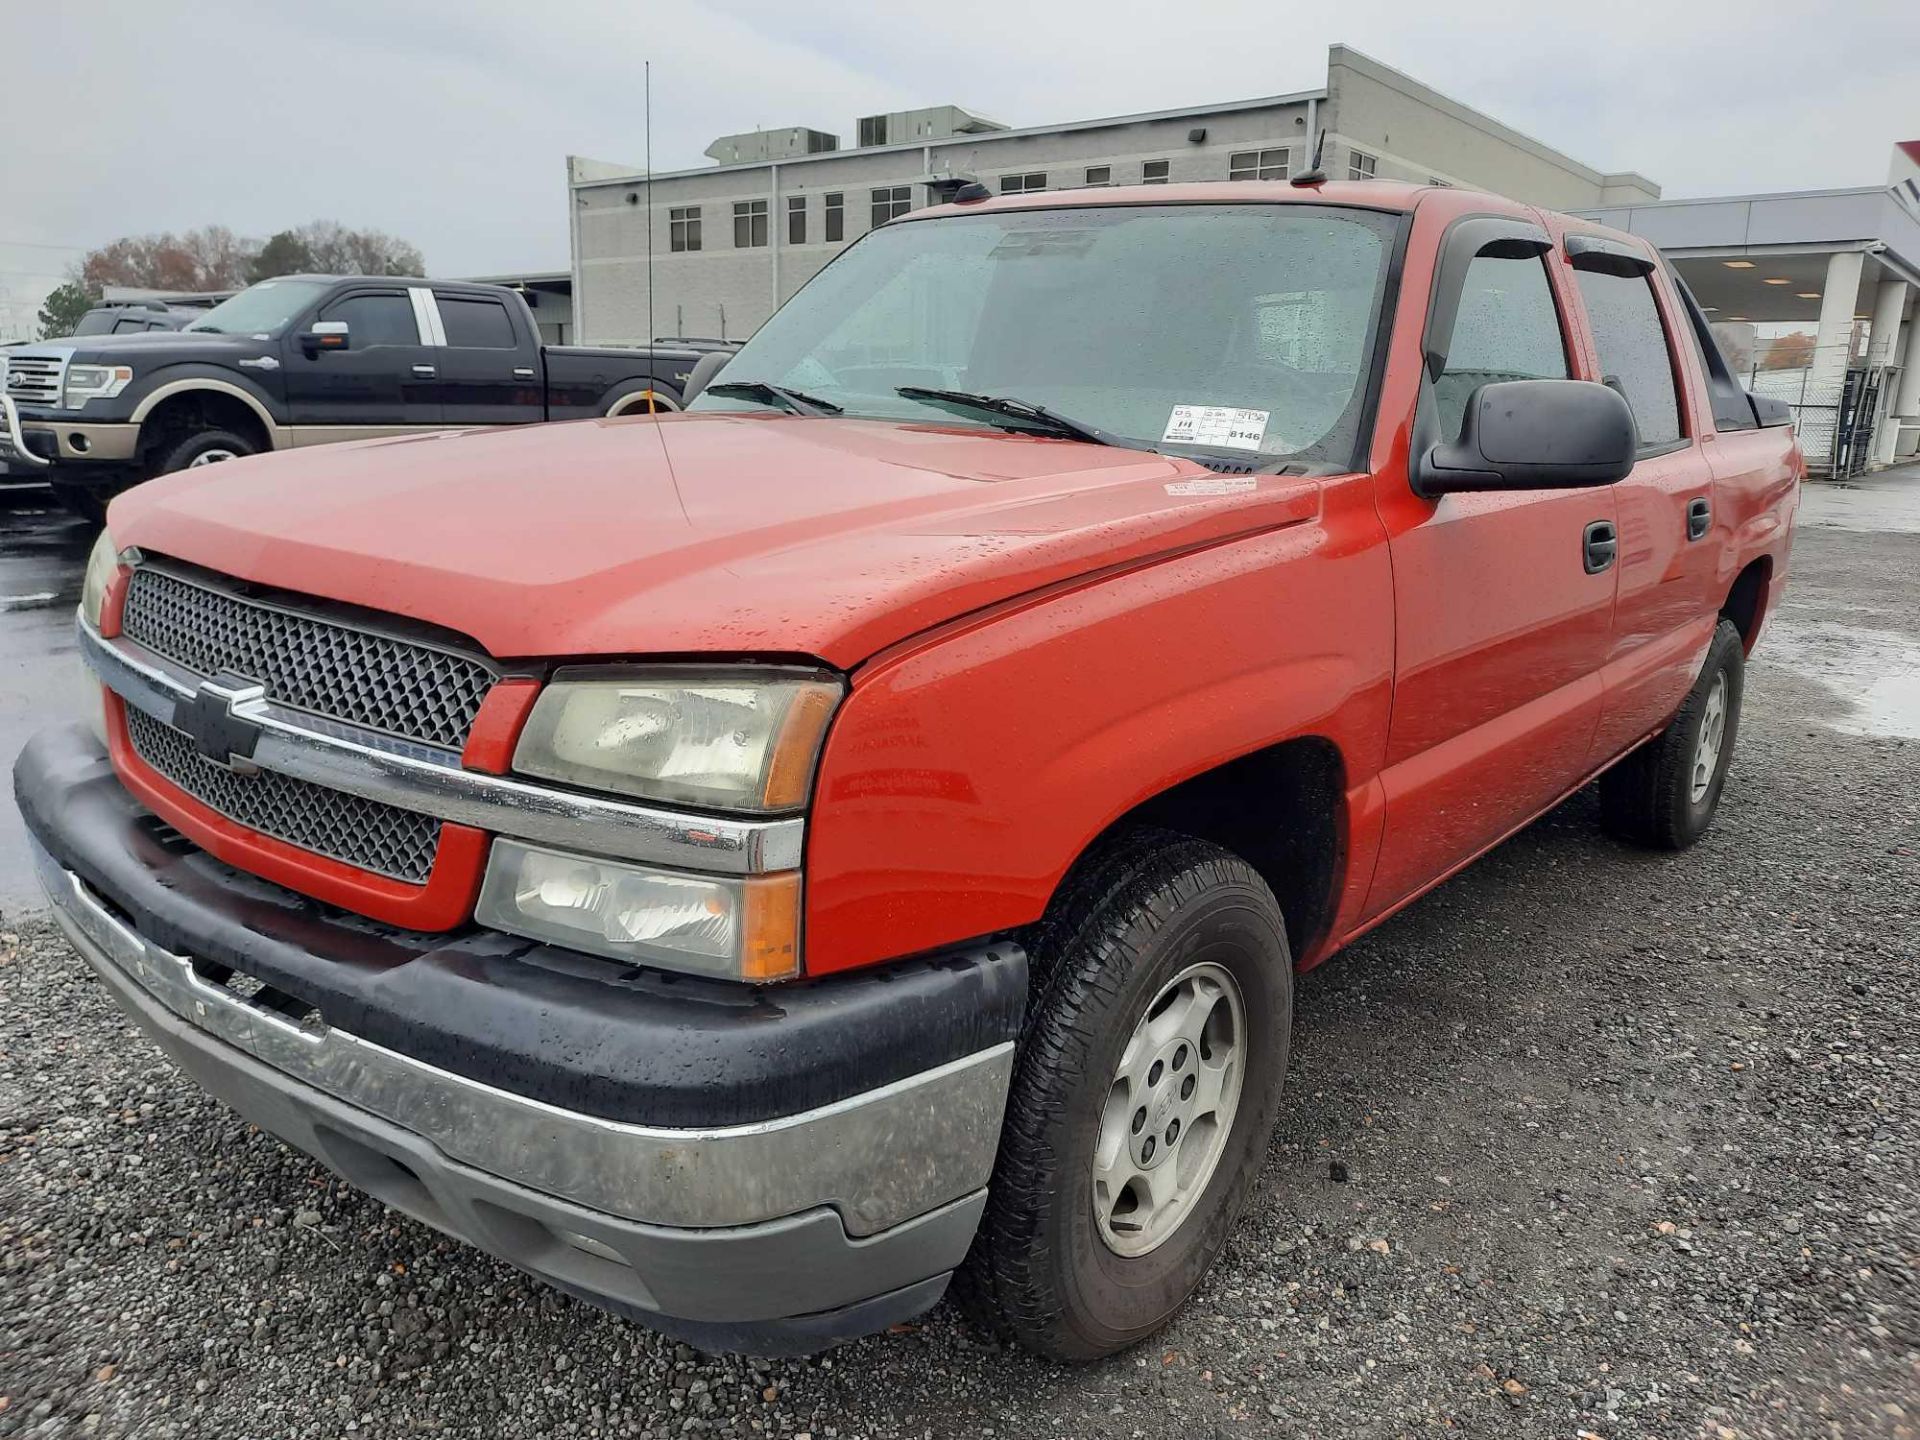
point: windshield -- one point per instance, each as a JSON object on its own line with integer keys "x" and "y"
{"x": 1236, "y": 330}
{"x": 263, "y": 309}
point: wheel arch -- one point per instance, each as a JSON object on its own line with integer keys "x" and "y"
{"x": 221, "y": 404}
{"x": 1279, "y": 808}
{"x": 1746, "y": 600}
{"x": 635, "y": 401}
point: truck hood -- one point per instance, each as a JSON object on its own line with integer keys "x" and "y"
{"x": 738, "y": 534}
{"x": 149, "y": 345}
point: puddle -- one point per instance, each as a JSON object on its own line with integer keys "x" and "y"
{"x": 1876, "y": 672}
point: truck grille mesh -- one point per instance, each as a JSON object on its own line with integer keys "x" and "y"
{"x": 317, "y": 665}
{"x": 363, "y": 833}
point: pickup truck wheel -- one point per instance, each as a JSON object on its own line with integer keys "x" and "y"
{"x": 1664, "y": 794}
{"x": 203, "y": 447}
{"x": 1143, "y": 1096}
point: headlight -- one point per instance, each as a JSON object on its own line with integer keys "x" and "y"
{"x": 94, "y": 382}
{"x": 102, "y": 565}
{"x": 744, "y": 739}
{"x": 739, "y": 929}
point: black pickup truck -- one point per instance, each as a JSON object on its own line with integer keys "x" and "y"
{"x": 306, "y": 360}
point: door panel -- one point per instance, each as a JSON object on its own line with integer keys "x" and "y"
{"x": 1664, "y": 613}
{"x": 1663, "y": 616}
{"x": 373, "y": 382}
{"x": 1501, "y": 628}
{"x": 1500, "y": 636}
{"x": 489, "y": 375}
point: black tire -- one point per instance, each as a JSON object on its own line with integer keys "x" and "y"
{"x": 193, "y": 449}
{"x": 1131, "y": 920}
{"x": 1649, "y": 798}
{"x": 86, "y": 501}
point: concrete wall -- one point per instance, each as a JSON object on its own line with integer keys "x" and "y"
{"x": 1418, "y": 134}
{"x": 695, "y": 287}
{"x": 1415, "y": 133}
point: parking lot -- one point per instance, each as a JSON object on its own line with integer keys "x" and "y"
{"x": 1589, "y": 1142}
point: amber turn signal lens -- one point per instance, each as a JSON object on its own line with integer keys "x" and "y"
{"x": 770, "y": 939}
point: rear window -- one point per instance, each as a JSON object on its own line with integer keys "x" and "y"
{"x": 476, "y": 324}
{"x": 1634, "y": 358}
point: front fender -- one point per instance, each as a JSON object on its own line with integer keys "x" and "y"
{"x": 148, "y": 392}
{"x": 968, "y": 770}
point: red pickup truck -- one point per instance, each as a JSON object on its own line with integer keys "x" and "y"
{"x": 753, "y": 867}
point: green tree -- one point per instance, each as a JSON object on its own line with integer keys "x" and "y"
{"x": 62, "y": 309}
{"x": 285, "y": 253}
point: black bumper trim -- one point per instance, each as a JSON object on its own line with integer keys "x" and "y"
{"x": 560, "y": 1027}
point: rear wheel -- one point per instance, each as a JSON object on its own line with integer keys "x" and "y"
{"x": 1143, "y": 1097}
{"x": 1664, "y": 794}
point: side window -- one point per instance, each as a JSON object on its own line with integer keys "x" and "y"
{"x": 1731, "y": 408}
{"x": 1507, "y": 328}
{"x": 129, "y": 327}
{"x": 475, "y": 323}
{"x": 376, "y": 319}
{"x": 1634, "y": 358}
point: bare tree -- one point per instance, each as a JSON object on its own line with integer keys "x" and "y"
{"x": 214, "y": 258}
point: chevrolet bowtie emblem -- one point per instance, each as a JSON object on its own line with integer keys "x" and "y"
{"x": 221, "y": 735}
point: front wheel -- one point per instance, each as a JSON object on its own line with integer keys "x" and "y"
{"x": 1664, "y": 794}
{"x": 203, "y": 447}
{"x": 1143, "y": 1097}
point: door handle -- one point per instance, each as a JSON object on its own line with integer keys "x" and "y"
{"x": 1699, "y": 517}
{"x": 523, "y": 372}
{"x": 1599, "y": 546}
{"x": 425, "y": 371}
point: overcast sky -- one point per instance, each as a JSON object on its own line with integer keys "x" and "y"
{"x": 448, "y": 123}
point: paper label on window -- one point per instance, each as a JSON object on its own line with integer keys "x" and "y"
{"x": 1216, "y": 425}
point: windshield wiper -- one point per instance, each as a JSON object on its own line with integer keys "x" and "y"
{"x": 798, "y": 401}
{"x": 1025, "y": 411}
{"x": 206, "y": 330}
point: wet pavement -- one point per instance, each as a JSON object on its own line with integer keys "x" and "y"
{"x": 43, "y": 553}
{"x": 1865, "y": 656}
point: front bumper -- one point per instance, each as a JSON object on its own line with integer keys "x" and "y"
{"x": 790, "y": 1230}
{"x": 36, "y": 442}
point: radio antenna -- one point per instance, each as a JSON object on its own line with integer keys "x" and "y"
{"x": 647, "y": 106}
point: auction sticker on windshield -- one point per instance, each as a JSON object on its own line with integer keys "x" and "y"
{"x": 1216, "y": 425}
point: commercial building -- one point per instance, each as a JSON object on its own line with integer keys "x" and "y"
{"x": 1846, "y": 262}
{"x": 731, "y": 241}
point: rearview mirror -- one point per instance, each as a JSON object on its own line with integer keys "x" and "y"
{"x": 326, "y": 335}
{"x": 1534, "y": 435}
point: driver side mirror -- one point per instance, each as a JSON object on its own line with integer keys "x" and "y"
{"x": 326, "y": 335}
{"x": 702, "y": 375}
{"x": 1533, "y": 435}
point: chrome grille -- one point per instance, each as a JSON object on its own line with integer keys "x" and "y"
{"x": 377, "y": 681}
{"x": 33, "y": 379}
{"x": 363, "y": 833}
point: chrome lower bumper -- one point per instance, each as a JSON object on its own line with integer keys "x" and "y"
{"x": 13, "y": 444}
{"x": 879, "y": 1158}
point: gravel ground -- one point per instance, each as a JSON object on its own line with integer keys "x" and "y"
{"x": 1588, "y": 1143}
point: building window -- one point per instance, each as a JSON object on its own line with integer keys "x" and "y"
{"x": 1360, "y": 165}
{"x": 683, "y": 228}
{"x": 1023, "y": 184}
{"x": 833, "y": 215}
{"x": 1258, "y": 164}
{"x": 873, "y": 130}
{"x": 891, "y": 200}
{"x": 796, "y": 219}
{"x": 1099, "y": 175}
{"x": 749, "y": 224}
{"x": 1154, "y": 172}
